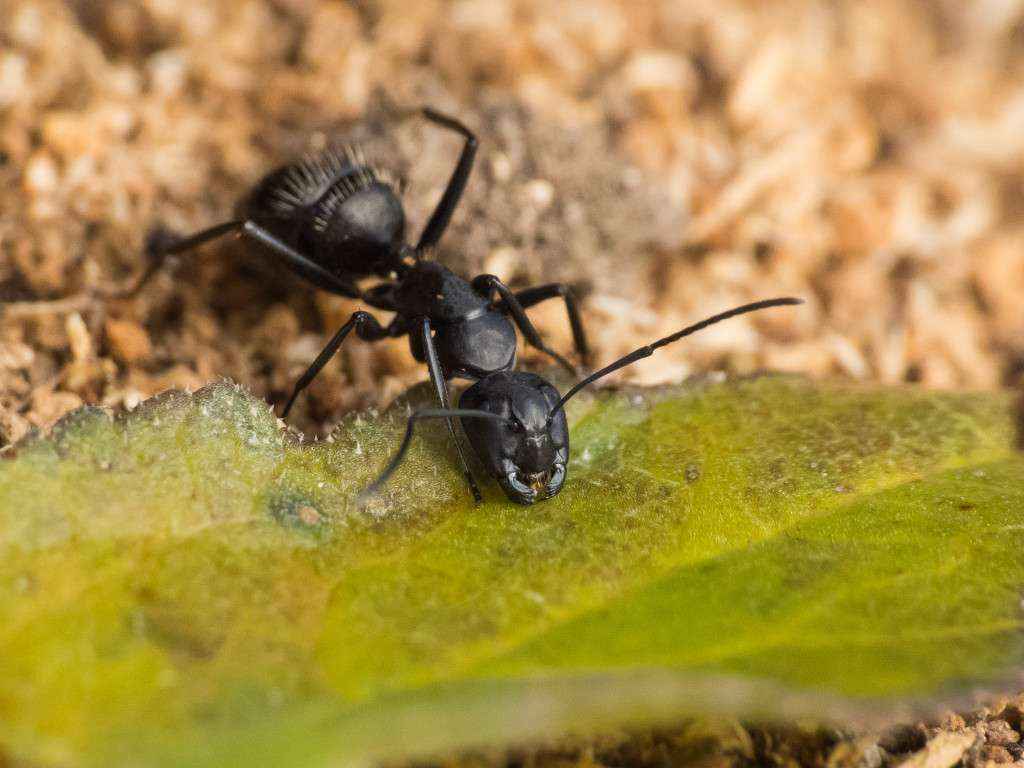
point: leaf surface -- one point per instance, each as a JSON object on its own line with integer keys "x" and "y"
{"x": 188, "y": 584}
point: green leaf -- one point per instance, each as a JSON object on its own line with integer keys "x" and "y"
{"x": 187, "y": 584}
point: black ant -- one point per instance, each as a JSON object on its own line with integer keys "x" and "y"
{"x": 335, "y": 219}
{"x": 516, "y": 424}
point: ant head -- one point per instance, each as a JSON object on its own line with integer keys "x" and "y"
{"x": 528, "y": 448}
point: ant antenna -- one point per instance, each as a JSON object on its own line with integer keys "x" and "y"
{"x": 647, "y": 351}
{"x": 427, "y": 413}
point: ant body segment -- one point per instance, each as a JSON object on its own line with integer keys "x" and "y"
{"x": 335, "y": 219}
{"x": 515, "y": 421}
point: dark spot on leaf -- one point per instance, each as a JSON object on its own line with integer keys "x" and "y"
{"x": 663, "y": 491}
{"x": 173, "y": 634}
{"x": 166, "y": 624}
{"x": 295, "y": 510}
{"x": 309, "y": 515}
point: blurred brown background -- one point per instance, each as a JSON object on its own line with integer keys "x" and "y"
{"x": 671, "y": 157}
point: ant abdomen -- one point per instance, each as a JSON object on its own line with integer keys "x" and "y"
{"x": 336, "y": 208}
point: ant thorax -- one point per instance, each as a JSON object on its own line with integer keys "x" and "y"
{"x": 432, "y": 290}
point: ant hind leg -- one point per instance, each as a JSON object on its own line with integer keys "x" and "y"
{"x": 161, "y": 243}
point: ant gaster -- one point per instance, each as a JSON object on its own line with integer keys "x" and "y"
{"x": 335, "y": 219}
{"x": 516, "y": 424}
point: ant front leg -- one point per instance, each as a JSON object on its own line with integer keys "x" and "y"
{"x": 529, "y": 297}
{"x": 441, "y": 385}
{"x": 456, "y": 184}
{"x": 365, "y": 326}
{"x": 425, "y": 413}
{"x": 487, "y": 285}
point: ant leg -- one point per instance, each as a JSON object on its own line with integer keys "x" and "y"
{"x": 529, "y": 297}
{"x": 366, "y": 327}
{"x": 303, "y": 265}
{"x": 424, "y": 413}
{"x": 486, "y": 284}
{"x": 159, "y": 245}
{"x": 442, "y": 214}
{"x": 441, "y": 385}
{"x": 381, "y": 296}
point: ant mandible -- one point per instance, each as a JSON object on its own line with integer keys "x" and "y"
{"x": 335, "y": 219}
{"x": 515, "y": 421}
